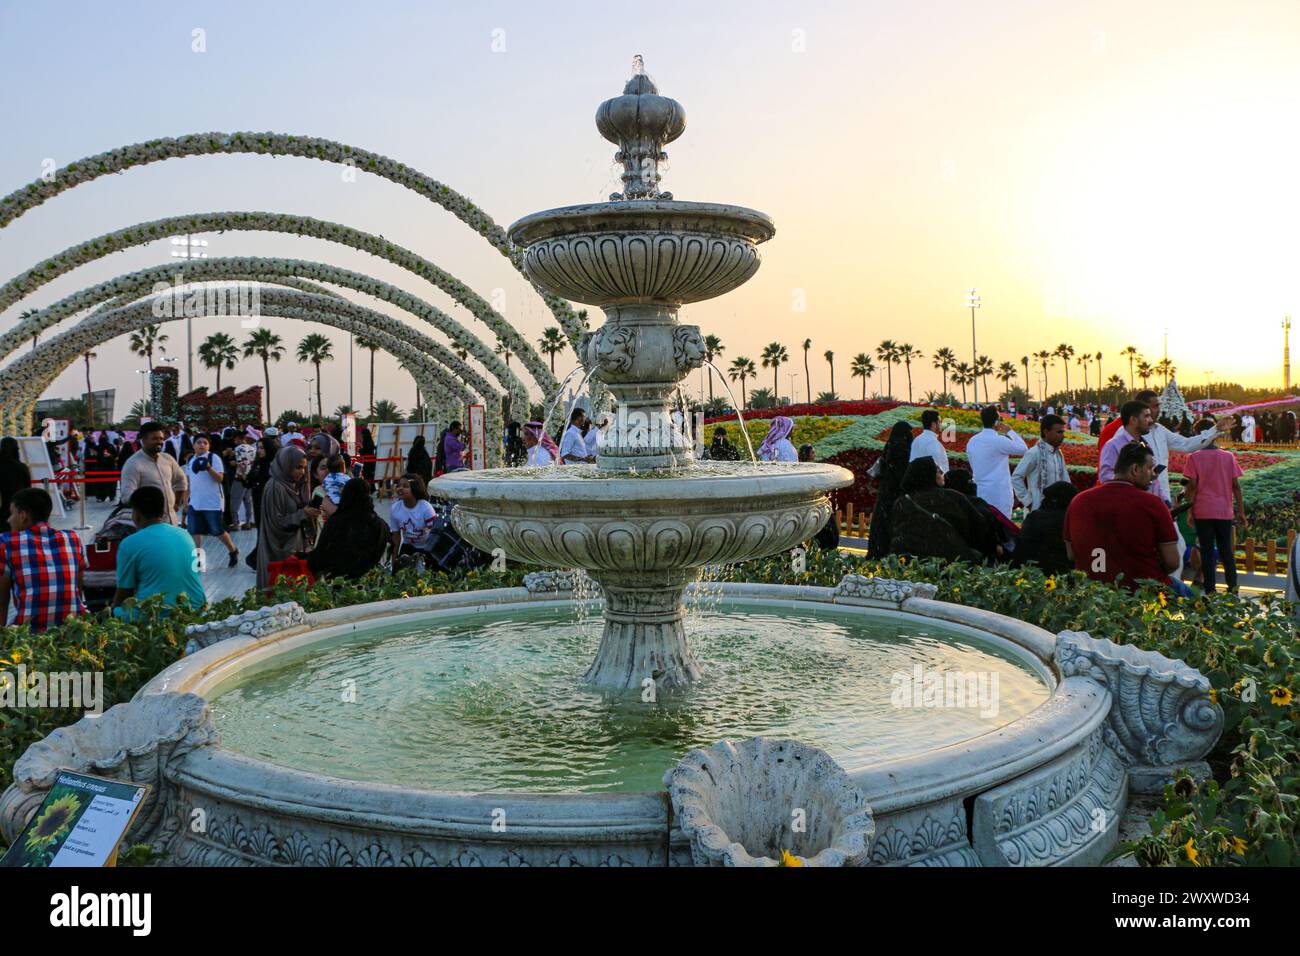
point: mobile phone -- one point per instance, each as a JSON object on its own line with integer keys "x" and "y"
{"x": 1159, "y": 468}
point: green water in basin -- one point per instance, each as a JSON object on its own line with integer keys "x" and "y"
{"x": 492, "y": 701}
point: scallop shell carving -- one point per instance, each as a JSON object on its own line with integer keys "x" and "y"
{"x": 1162, "y": 714}
{"x": 742, "y": 804}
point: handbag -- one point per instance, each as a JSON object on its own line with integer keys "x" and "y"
{"x": 290, "y": 569}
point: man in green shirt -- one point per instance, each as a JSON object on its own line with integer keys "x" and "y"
{"x": 158, "y": 559}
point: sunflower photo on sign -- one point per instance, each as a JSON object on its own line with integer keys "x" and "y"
{"x": 79, "y": 823}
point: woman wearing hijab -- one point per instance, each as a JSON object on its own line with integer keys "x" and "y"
{"x": 542, "y": 449}
{"x": 722, "y": 449}
{"x": 888, "y": 472}
{"x": 516, "y": 450}
{"x": 931, "y": 521}
{"x": 353, "y": 540}
{"x": 259, "y": 473}
{"x": 14, "y": 477}
{"x": 107, "y": 462}
{"x": 367, "y": 451}
{"x": 777, "y": 445}
{"x": 418, "y": 460}
{"x": 287, "y": 515}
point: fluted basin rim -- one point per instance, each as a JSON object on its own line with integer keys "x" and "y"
{"x": 506, "y": 484}
{"x": 650, "y": 215}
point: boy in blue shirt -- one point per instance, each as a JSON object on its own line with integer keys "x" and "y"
{"x": 159, "y": 558}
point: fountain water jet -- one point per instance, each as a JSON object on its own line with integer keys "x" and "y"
{"x": 651, "y": 520}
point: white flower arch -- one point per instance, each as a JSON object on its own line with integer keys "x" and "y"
{"x": 142, "y": 233}
{"x": 126, "y": 288}
{"x": 280, "y": 144}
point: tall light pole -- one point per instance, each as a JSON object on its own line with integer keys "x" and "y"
{"x": 793, "y": 377}
{"x": 973, "y": 301}
{"x": 1286, "y": 355}
{"x": 309, "y": 381}
{"x": 351, "y": 403}
{"x": 189, "y": 249}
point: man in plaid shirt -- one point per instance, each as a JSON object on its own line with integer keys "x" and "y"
{"x": 40, "y": 566}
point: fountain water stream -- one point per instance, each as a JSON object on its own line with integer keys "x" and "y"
{"x": 643, "y": 531}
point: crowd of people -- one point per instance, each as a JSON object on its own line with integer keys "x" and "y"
{"x": 310, "y": 503}
{"x": 1132, "y": 526}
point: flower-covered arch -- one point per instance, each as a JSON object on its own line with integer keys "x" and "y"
{"x": 126, "y": 288}
{"x": 279, "y": 144}
{"x": 28, "y": 376}
{"x": 143, "y": 233}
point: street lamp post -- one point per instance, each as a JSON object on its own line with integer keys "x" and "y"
{"x": 793, "y": 377}
{"x": 189, "y": 250}
{"x": 309, "y": 382}
{"x": 973, "y": 301}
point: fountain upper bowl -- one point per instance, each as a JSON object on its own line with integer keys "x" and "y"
{"x": 654, "y": 251}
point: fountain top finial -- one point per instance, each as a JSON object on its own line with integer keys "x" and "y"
{"x": 640, "y": 121}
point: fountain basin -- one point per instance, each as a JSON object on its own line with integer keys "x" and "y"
{"x": 1029, "y": 792}
{"x": 642, "y": 250}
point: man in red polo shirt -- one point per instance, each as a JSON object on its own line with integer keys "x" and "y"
{"x": 1117, "y": 531}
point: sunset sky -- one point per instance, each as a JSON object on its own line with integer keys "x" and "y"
{"x": 1100, "y": 171}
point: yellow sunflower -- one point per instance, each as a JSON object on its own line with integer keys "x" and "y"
{"x": 51, "y": 825}
{"x": 1281, "y": 696}
{"x": 1049, "y": 584}
{"x": 1239, "y": 846}
{"x": 1192, "y": 853}
{"x": 789, "y": 859}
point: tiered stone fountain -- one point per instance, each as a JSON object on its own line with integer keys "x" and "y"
{"x": 645, "y": 518}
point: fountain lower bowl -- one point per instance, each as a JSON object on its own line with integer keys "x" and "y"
{"x": 1026, "y": 788}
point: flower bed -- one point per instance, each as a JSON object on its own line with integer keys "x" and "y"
{"x": 794, "y": 411}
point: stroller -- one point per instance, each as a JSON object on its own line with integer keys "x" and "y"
{"x": 448, "y": 552}
{"x": 100, "y": 579}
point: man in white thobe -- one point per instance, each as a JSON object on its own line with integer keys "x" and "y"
{"x": 990, "y": 453}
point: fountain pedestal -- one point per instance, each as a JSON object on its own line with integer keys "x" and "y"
{"x": 643, "y": 640}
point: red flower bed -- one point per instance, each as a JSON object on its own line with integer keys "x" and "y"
{"x": 795, "y": 411}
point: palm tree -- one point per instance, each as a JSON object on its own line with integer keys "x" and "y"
{"x": 824, "y": 398}
{"x": 962, "y": 375}
{"x": 829, "y": 356}
{"x": 385, "y": 411}
{"x": 713, "y": 347}
{"x": 1024, "y": 360}
{"x": 372, "y": 347}
{"x": 906, "y": 353}
{"x": 1044, "y": 359}
{"x": 1084, "y": 359}
{"x": 1098, "y": 358}
{"x": 1065, "y": 353}
{"x": 741, "y": 369}
{"x": 218, "y": 350}
{"x": 1167, "y": 369}
{"x": 269, "y": 347}
{"x": 807, "y": 376}
{"x": 1132, "y": 354}
{"x": 887, "y": 352}
{"x": 551, "y": 343}
{"x": 774, "y": 353}
{"x": 145, "y": 340}
{"x": 944, "y": 359}
{"x": 862, "y": 367}
{"x": 316, "y": 348}
{"x": 1006, "y": 372}
{"x": 504, "y": 351}
{"x": 90, "y": 392}
{"x": 1145, "y": 371}
{"x": 983, "y": 369}
{"x": 1116, "y": 384}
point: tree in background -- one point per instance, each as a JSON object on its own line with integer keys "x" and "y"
{"x": 774, "y": 353}
{"x": 315, "y": 349}
{"x": 983, "y": 369}
{"x": 807, "y": 375}
{"x": 218, "y": 351}
{"x": 906, "y": 353}
{"x": 713, "y": 348}
{"x": 90, "y": 392}
{"x": 887, "y": 352}
{"x": 269, "y": 347}
{"x": 862, "y": 367}
{"x": 741, "y": 369}
{"x": 829, "y": 356}
{"x": 944, "y": 359}
{"x": 552, "y": 343}
{"x": 145, "y": 340}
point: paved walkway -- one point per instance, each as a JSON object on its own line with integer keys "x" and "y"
{"x": 219, "y": 581}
